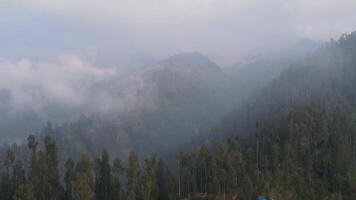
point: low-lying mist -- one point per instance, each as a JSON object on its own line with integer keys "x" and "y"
{"x": 59, "y": 90}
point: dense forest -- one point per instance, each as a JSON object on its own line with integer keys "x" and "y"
{"x": 160, "y": 104}
{"x": 296, "y": 139}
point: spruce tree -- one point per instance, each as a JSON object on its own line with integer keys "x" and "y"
{"x": 69, "y": 179}
{"x": 133, "y": 173}
{"x": 117, "y": 172}
{"x": 83, "y": 184}
{"x": 103, "y": 185}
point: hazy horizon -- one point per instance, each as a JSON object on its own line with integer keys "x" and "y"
{"x": 177, "y": 99}
{"x": 111, "y": 32}
{"x": 55, "y": 54}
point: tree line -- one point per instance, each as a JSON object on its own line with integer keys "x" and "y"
{"x": 299, "y": 160}
{"x": 296, "y": 140}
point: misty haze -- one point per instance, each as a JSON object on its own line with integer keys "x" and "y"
{"x": 177, "y": 100}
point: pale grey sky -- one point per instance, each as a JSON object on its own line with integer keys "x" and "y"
{"x": 112, "y": 30}
{"x": 58, "y": 53}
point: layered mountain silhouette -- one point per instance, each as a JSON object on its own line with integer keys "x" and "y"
{"x": 162, "y": 106}
{"x": 320, "y": 83}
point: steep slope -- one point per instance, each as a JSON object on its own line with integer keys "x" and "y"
{"x": 298, "y": 135}
{"x": 324, "y": 81}
{"x": 250, "y": 76}
{"x": 163, "y": 106}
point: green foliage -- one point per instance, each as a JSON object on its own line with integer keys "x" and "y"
{"x": 133, "y": 173}
{"x": 83, "y": 183}
{"x": 103, "y": 179}
{"x": 24, "y": 192}
{"x": 303, "y": 146}
{"x": 69, "y": 179}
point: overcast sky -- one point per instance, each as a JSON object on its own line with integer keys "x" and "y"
{"x": 58, "y": 53}
{"x": 111, "y": 30}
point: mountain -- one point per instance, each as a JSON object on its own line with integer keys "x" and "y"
{"x": 294, "y": 139}
{"x": 250, "y": 76}
{"x": 161, "y": 106}
{"x": 321, "y": 84}
{"x": 150, "y": 108}
{"x": 153, "y": 106}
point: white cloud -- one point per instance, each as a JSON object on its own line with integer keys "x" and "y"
{"x": 140, "y": 10}
{"x": 324, "y": 19}
{"x": 222, "y": 28}
{"x": 66, "y": 81}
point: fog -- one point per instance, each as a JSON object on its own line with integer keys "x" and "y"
{"x": 72, "y": 54}
{"x": 111, "y": 31}
{"x": 67, "y": 80}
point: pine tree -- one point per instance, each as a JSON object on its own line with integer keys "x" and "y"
{"x": 46, "y": 179}
{"x": 133, "y": 173}
{"x": 24, "y": 192}
{"x": 83, "y": 182}
{"x": 103, "y": 185}
{"x": 5, "y": 186}
{"x": 51, "y": 159}
{"x": 32, "y": 145}
{"x": 69, "y": 179}
{"x": 148, "y": 181}
{"x": 18, "y": 176}
{"x": 7, "y": 177}
{"x": 180, "y": 157}
{"x": 204, "y": 166}
{"x": 118, "y": 171}
{"x": 165, "y": 181}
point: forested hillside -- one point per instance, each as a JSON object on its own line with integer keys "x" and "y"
{"x": 248, "y": 78}
{"x": 152, "y": 104}
{"x": 323, "y": 81}
{"x": 294, "y": 140}
{"x": 299, "y": 132}
{"x": 161, "y": 106}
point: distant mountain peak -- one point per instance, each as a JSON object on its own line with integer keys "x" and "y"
{"x": 190, "y": 61}
{"x": 196, "y": 56}
{"x": 189, "y": 57}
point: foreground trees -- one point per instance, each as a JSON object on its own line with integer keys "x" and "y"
{"x": 87, "y": 179}
{"x": 302, "y": 147}
{"x": 299, "y": 166}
